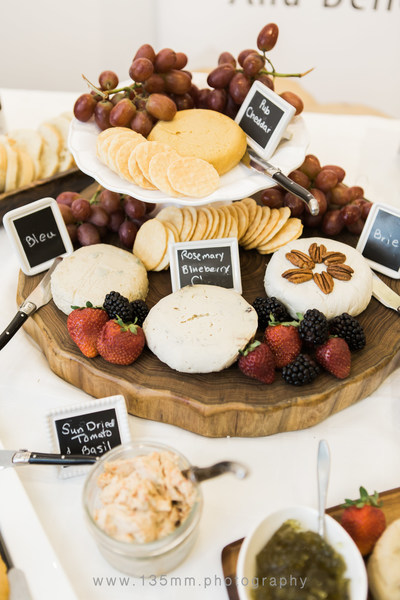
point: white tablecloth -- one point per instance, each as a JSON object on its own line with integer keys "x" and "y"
{"x": 364, "y": 439}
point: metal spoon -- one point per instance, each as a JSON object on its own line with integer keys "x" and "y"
{"x": 199, "y": 474}
{"x": 323, "y": 470}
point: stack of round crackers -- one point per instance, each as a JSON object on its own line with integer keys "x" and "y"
{"x": 155, "y": 165}
{"x": 256, "y": 228}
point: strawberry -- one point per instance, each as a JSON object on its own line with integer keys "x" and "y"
{"x": 334, "y": 356}
{"x": 84, "y": 326}
{"x": 120, "y": 343}
{"x": 284, "y": 341}
{"x": 363, "y": 520}
{"x": 257, "y": 361}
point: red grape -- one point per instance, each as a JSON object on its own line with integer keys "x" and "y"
{"x": 326, "y": 180}
{"x": 146, "y": 51}
{"x": 357, "y": 227}
{"x": 142, "y": 123}
{"x": 311, "y": 166}
{"x": 116, "y": 218}
{"x": 127, "y": 233}
{"x": 150, "y": 206}
{"x": 98, "y": 216}
{"x": 244, "y": 54}
{"x": 231, "y": 108}
{"x": 266, "y": 80}
{"x": 102, "y": 113}
{"x": 340, "y": 172}
{"x": 155, "y": 83}
{"x": 227, "y": 58}
{"x": 338, "y": 194}
{"x": 355, "y": 192}
{"x": 332, "y": 223}
{"x": 134, "y": 208}
{"x": 294, "y": 203}
{"x": 239, "y": 87}
{"x": 141, "y": 69}
{"x": 161, "y": 107}
{"x": 202, "y": 99}
{"x": 88, "y": 234}
{"x": 301, "y": 178}
{"x": 351, "y": 213}
{"x": 294, "y": 100}
{"x": 366, "y": 208}
{"x": 181, "y": 60}
{"x": 310, "y": 220}
{"x": 221, "y": 76}
{"x": 183, "y": 101}
{"x": 217, "y": 100}
{"x": 272, "y": 197}
{"x": 67, "y": 198}
{"x": 81, "y": 209}
{"x": 252, "y": 64}
{"x": 108, "y": 80}
{"x": 122, "y": 113}
{"x": 66, "y": 214}
{"x": 267, "y": 37}
{"x": 165, "y": 60}
{"x": 321, "y": 199}
{"x": 110, "y": 201}
{"x": 84, "y": 107}
{"x": 72, "y": 229}
{"x": 177, "y": 82}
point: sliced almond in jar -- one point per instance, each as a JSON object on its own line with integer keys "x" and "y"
{"x": 193, "y": 177}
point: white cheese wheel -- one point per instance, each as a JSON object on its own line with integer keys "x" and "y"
{"x": 384, "y": 565}
{"x": 91, "y": 272}
{"x": 200, "y": 328}
{"x": 351, "y": 296}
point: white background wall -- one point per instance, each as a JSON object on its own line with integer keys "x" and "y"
{"x": 354, "y": 45}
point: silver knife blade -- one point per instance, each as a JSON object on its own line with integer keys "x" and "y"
{"x": 41, "y": 295}
{"x": 385, "y": 294}
{"x": 17, "y": 458}
{"x": 253, "y": 161}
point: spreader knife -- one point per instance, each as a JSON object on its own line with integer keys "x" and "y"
{"x": 17, "y": 458}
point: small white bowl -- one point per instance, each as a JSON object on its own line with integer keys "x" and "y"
{"x": 336, "y": 536}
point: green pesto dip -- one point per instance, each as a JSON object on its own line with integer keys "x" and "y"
{"x": 299, "y": 565}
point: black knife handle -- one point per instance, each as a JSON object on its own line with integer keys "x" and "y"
{"x": 297, "y": 190}
{"x": 12, "y": 328}
{"x": 39, "y": 458}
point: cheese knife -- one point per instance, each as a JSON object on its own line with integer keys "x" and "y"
{"x": 40, "y": 296}
{"x": 19, "y": 588}
{"x": 17, "y": 458}
{"x": 385, "y": 294}
{"x": 255, "y": 162}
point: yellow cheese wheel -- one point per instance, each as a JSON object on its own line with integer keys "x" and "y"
{"x": 4, "y": 587}
{"x": 205, "y": 134}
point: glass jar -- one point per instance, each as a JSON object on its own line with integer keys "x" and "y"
{"x": 135, "y": 558}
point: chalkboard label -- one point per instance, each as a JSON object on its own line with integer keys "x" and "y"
{"x": 207, "y": 262}
{"x": 379, "y": 242}
{"x": 38, "y": 234}
{"x": 264, "y": 116}
{"x": 92, "y": 429}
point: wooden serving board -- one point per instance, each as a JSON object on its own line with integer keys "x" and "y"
{"x": 230, "y": 553}
{"x": 226, "y": 403}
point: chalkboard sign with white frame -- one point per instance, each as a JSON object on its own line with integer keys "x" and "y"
{"x": 264, "y": 117}
{"x": 91, "y": 429}
{"x": 379, "y": 241}
{"x": 38, "y": 234}
{"x": 208, "y": 262}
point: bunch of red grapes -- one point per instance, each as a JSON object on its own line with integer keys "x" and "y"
{"x": 340, "y": 206}
{"x": 92, "y": 221}
{"x": 230, "y": 84}
{"x": 161, "y": 86}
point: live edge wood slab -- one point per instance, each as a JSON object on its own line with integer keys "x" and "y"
{"x": 226, "y": 403}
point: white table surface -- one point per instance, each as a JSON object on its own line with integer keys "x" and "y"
{"x": 364, "y": 439}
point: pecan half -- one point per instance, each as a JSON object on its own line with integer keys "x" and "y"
{"x": 298, "y": 275}
{"x": 342, "y": 272}
{"x": 324, "y": 281}
{"x": 317, "y": 252}
{"x": 334, "y": 258}
{"x": 300, "y": 259}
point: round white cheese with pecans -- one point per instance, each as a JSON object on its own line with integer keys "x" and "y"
{"x": 319, "y": 273}
{"x": 91, "y": 272}
{"x": 200, "y": 328}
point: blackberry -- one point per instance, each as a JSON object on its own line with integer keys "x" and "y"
{"x": 117, "y": 305}
{"x": 140, "y": 310}
{"x": 300, "y": 371}
{"x": 314, "y": 327}
{"x": 264, "y": 307}
{"x": 348, "y": 328}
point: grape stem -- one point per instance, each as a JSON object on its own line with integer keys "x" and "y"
{"x": 94, "y": 88}
{"x": 276, "y": 74}
{"x": 105, "y": 94}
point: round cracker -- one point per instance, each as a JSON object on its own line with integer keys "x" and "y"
{"x": 145, "y": 151}
{"x": 250, "y": 206}
{"x": 193, "y": 177}
{"x": 102, "y": 144}
{"x": 219, "y": 233}
{"x": 201, "y": 226}
{"x": 122, "y": 157}
{"x": 172, "y": 214}
{"x": 253, "y": 226}
{"x": 215, "y": 223}
{"x": 114, "y": 146}
{"x": 164, "y": 263}
{"x": 158, "y": 167}
{"x": 136, "y": 173}
{"x": 254, "y": 239}
{"x": 242, "y": 218}
{"x": 273, "y": 220}
{"x": 284, "y": 215}
{"x": 210, "y": 217}
{"x": 291, "y": 230}
{"x": 151, "y": 243}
